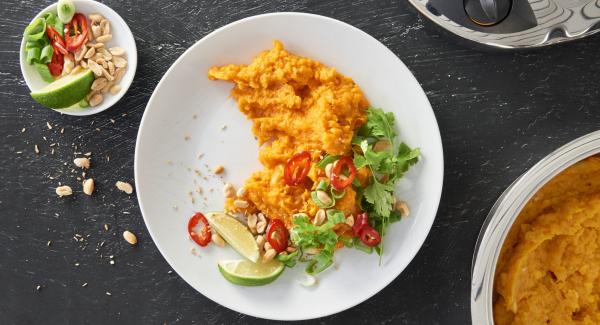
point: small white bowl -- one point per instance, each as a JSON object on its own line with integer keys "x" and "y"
{"x": 122, "y": 37}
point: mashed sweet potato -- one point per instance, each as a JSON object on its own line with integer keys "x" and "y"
{"x": 295, "y": 104}
{"x": 549, "y": 267}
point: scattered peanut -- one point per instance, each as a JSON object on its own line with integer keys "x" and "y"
{"x": 290, "y": 249}
{"x": 324, "y": 198}
{"x": 267, "y": 246}
{"x": 96, "y": 18}
{"x": 95, "y": 67}
{"x": 350, "y": 220}
{"x": 319, "y": 217}
{"x": 241, "y": 192}
{"x": 218, "y": 240}
{"x": 252, "y": 221}
{"x": 402, "y": 207}
{"x": 228, "y": 190}
{"x": 218, "y": 169}
{"x": 269, "y": 255}
{"x": 96, "y": 100}
{"x": 88, "y": 186}
{"x": 99, "y": 83}
{"x": 125, "y": 187}
{"x": 90, "y": 53}
{"x": 64, "y": 191}
{"x": 260, "y": 226}
{"x": 240, "y": 204}
{"x": 129, "y": 237}
{"x": 104, "y": 38}
{"x": 116, "y": 51}
{"x": 260, "y": 241}
{"x": 119, "y": 62}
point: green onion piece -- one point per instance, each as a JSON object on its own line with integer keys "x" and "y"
{"x": 33, "y": 55}
{"x": 319, "y": 203}
{"x": 288, "y": 260}
{"x": 65, "y": 10}
{"x": 35, "y": 30}
{"x": 31, "y": 44}
{"x": 84, "y": 103}
{"x": 337, "y": 194}
{"x": 319, "y": 263}
{"x": 326, "y": 161}
{"x": 46, "y": 55}
{"x": 52, "y": 20}
{"x": 44, "y": 72}
{"x": 358, "y": 244}
{"x": 348, "y": 241}
{"x": 335, "y": 216}
{"x": 322, "y": 186}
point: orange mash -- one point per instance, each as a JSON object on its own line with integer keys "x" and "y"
{"x": 296, "y": 104}
{"x": 549, "y": 266}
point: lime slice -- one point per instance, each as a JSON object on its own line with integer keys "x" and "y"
{"x": 246, "y": 273}
{"x": 65, "y": 91}
{"x": 235, "y": 234}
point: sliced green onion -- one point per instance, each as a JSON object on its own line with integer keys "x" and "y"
{"x": 319, "y": 203}
{"x": 335, "y": 216}
{"x": 319, "y": 264}
{"x": 44, "y": 72}
{"x": 288, "y": 260}
{"x": 322, "y": 186}
{"x": 337, "y": 194}
{"x": 31, "y": 44}
{"x": 46, "y": 55}
{"x": 65, "y": 10}
{"x": 52, "y": 20}
{"x": 33, "y": 55}
{"x": 326, "y": 161}
{"x": 358, "y": 244}
{"x": 84, "y": 103}
{"x": 35, "y": 30}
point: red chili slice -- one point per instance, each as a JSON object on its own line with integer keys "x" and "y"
{"x": 370, "y": 236}
{"x": 277, "y": 235}
{"x": 76, "y": 32}
{"x": 297, "y": 168}
{"x": 362, "y": 220}
{"x": 339, "y": 181}
{"x": 56, "y": 64}
{"x": 203, "y": 237}
{"x": 57, "y": 41}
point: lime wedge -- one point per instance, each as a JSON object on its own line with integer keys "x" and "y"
{"x": 246, "y": 273}
{"x": 65, "y": 91}
{"x": 235, "y": 234}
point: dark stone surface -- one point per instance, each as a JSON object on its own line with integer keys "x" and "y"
{"x": 499, "y": 113}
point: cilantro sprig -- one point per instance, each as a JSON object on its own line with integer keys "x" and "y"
{"x": 387, "y": 167}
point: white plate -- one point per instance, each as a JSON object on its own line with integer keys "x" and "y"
{"x": 122, "y": 37}
{"x": 185, "y": 92}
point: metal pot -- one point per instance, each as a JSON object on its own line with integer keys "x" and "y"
{"x": 504, "y": 213}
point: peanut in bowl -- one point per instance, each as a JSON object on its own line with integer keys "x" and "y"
{"x": 111, "y": 56}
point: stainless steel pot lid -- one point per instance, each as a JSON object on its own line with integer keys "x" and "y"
{"x": 512, "y": 24}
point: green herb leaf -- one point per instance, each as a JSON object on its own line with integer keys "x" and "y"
{"x": 379, "y": 124}
{"x": 380, "y": 195}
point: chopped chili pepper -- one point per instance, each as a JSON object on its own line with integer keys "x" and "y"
{"x": 297, "y": 168}
{"x": 57, "y": 41}
{"x": 370, "y": 236}
{"x": 340, "y": 181}
{"x": 202, "y": 237}
{"x": 76, "y": 32}
{"x": 56, "y": 64}
{"x": 277, "y": 235}
{"x": 362, "y": 220}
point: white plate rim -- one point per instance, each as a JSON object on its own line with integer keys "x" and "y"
{"x": 436, "y": 197}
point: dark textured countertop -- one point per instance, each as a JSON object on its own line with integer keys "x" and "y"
{"x": 499, "y": 113}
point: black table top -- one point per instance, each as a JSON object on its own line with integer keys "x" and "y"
{"x": 499, "y": 113}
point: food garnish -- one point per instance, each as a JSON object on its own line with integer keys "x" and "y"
{"x": 331, "y": 162}
{"x": 202, "y": 236}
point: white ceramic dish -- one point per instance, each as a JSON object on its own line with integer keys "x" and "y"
{"x": 122, "y": 37}
{"x": 165, "y": 161}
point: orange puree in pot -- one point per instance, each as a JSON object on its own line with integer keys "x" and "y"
{"x": 295, "y": 104}
{"x": 549, "y": 266}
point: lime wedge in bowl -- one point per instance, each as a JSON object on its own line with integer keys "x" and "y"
{"x": 246, "y": 273}
{"x": 66, "y": 91}
{"x": 235, "y": 234}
